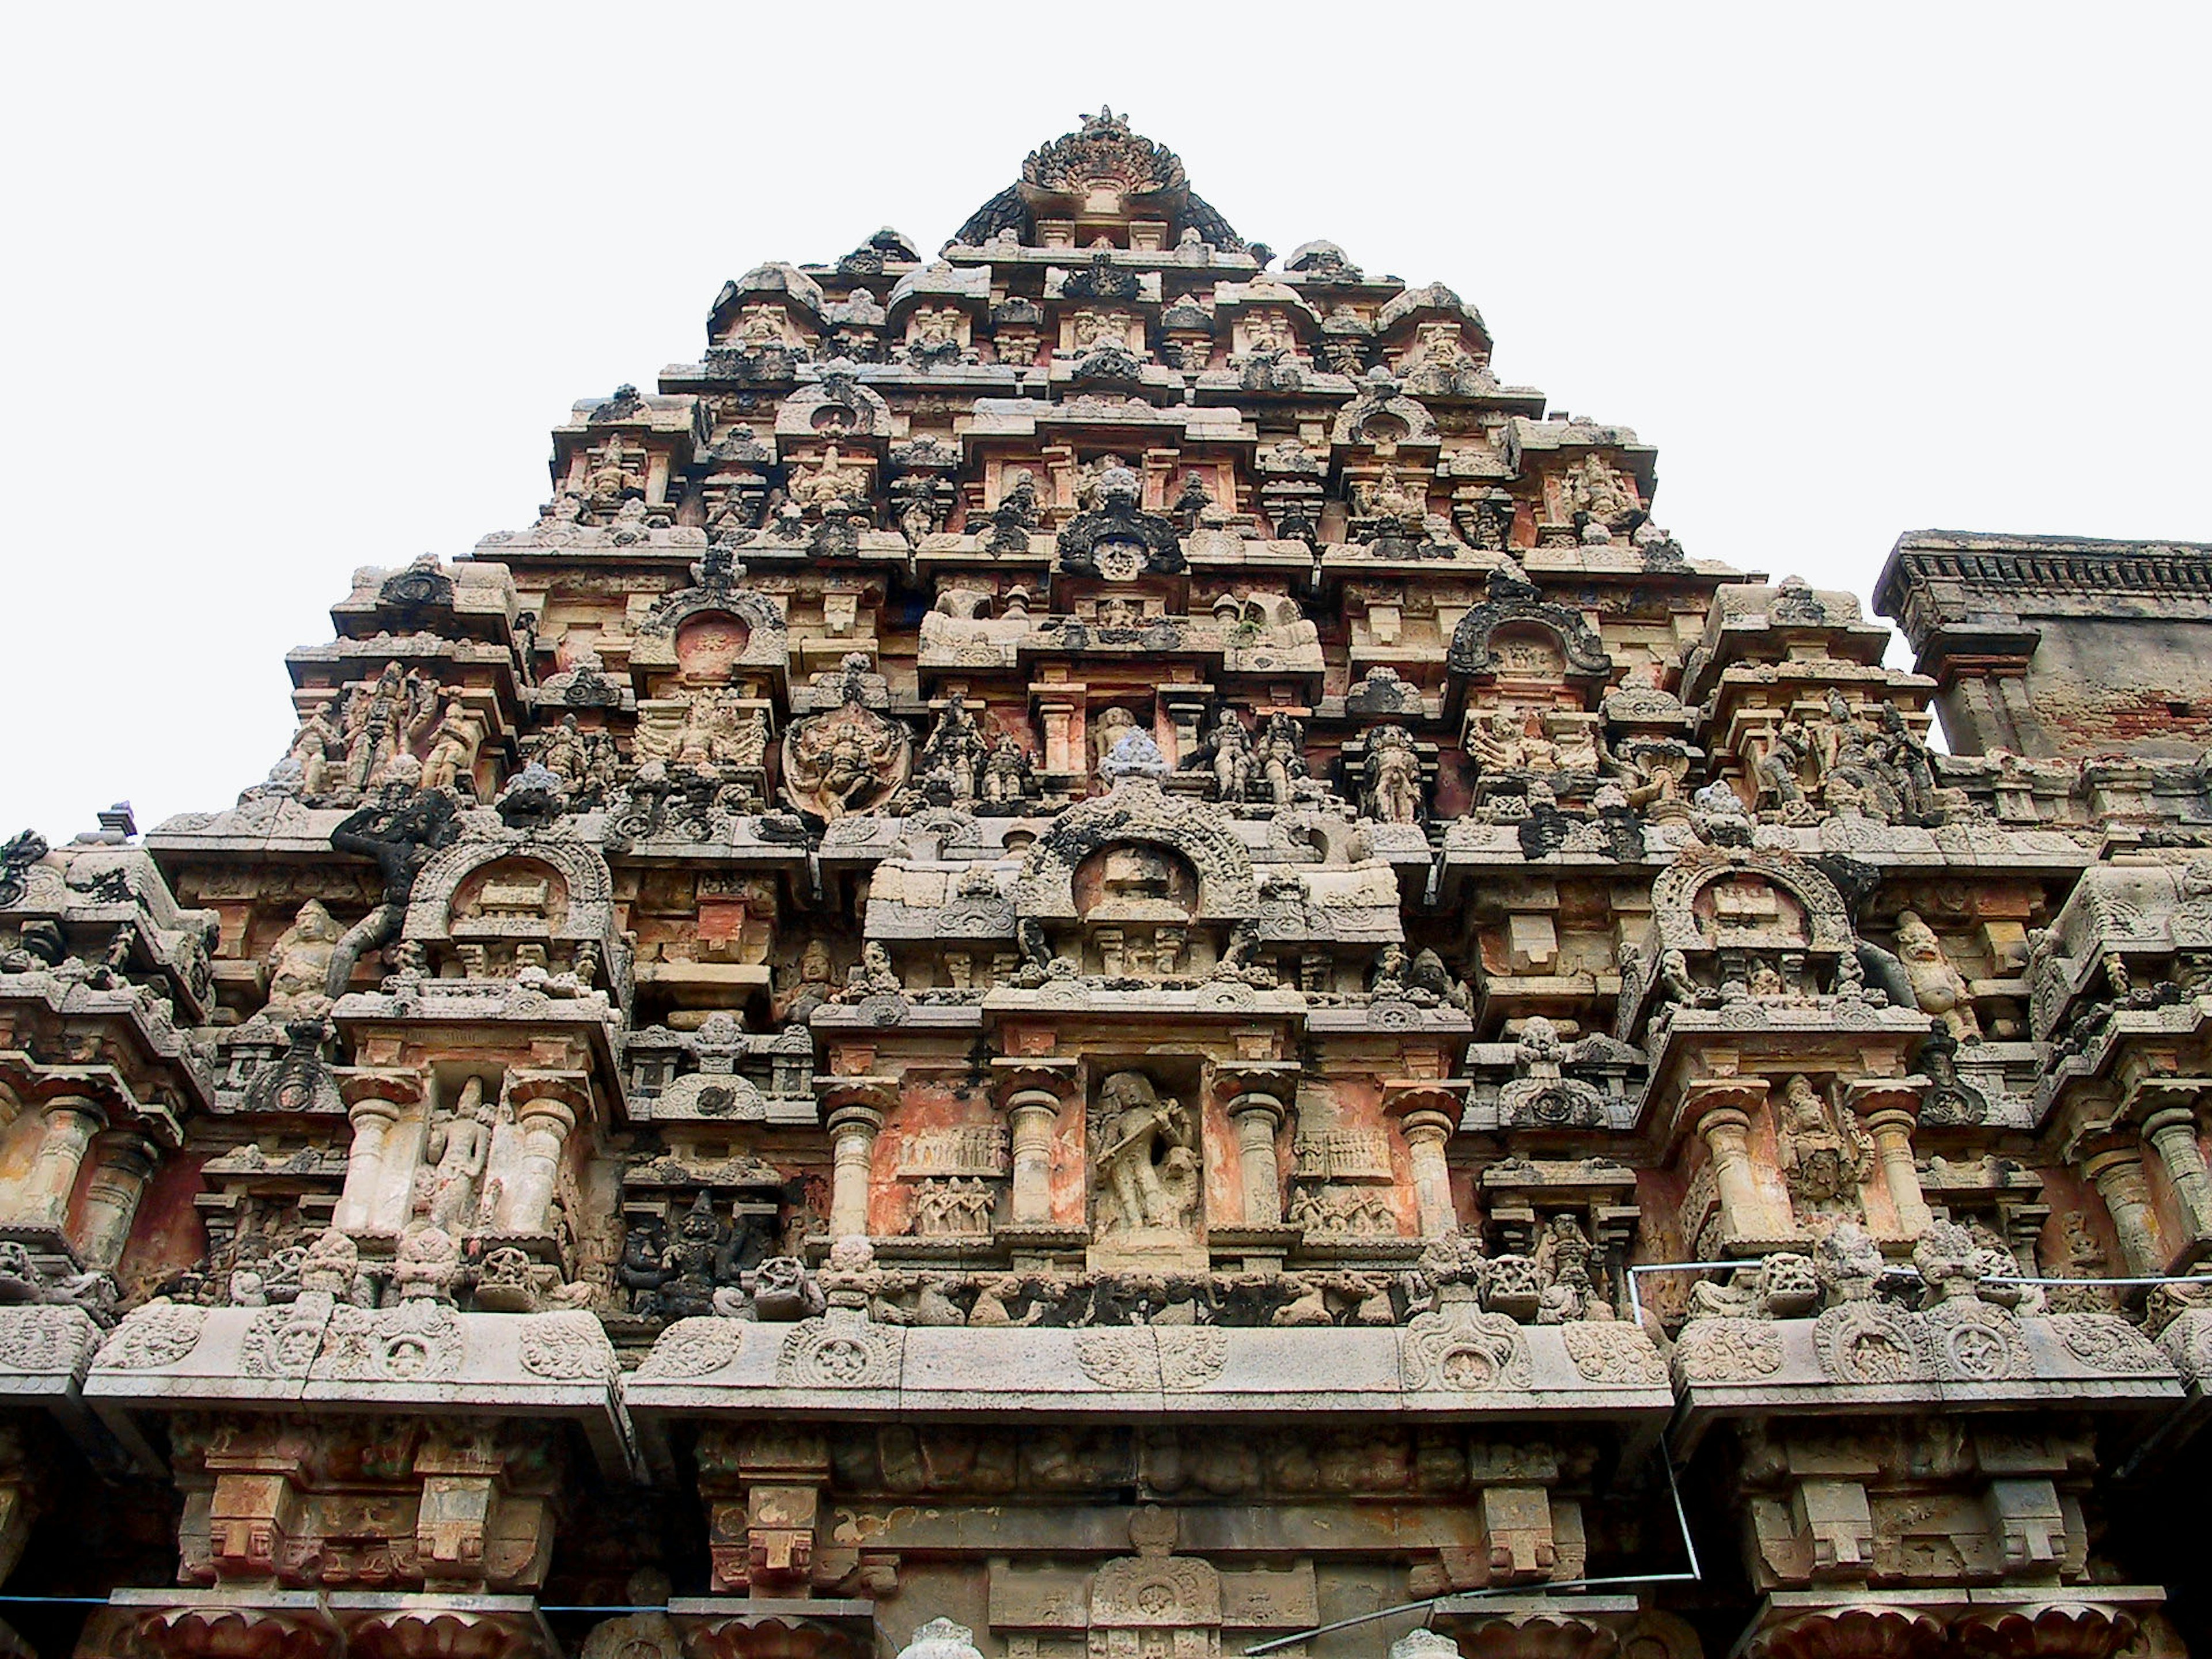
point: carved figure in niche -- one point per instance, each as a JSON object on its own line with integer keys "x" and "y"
{"x": 956, "y": 751}
{"x": 1824, "y": 1161}
{"x": 959, "y": 1206}
{"x": 1228, "y": 750}
{"x": 831, "y": 483}
{"x": 921, "y": 505}
{"x": 1192, "y": 500}
{"x": 401, "y": 841}
{"x": 1387, "y": 498}
{"x": 1938, "y": 987}
{"x": 1428, "y": 976}
{"x": 1594, "y": 488}
{"x": 372, "y": 725}
{"x": 1146, "y": 1163}
{"x": 1016, "y": 514}
{"x": 1393, "y": 794}
{"x": 872, "y": 976}
{"x": 1112, "y": 725}
{"x": 1563, "y": 1254}
{"x": 1095, "y": 481}
{"x": 1778, "y": 769}
{"x": 319, "y": 747}
{"x": 458, "y": 1147}
{"x": 1009, "y": 777}
{"x": 453, "y": 743}
{"x": 936, "y": 338}
{"x": 701, "y": 1270}
{"x": 1498, "y": 743}
{"x": 849, "y": 761}
{"x": 1279, "y": 756}
{"x": 616, "y": 473}
{"x": 560, "y": 749}
{"x": 395, "y": 716}
{"x": 810, "y": 990}
{"x": 300, "y": 964}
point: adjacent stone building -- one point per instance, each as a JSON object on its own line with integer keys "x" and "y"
{"x": 1092, "y": 955}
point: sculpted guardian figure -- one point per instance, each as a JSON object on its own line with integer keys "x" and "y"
{"x": 401, "y": 841}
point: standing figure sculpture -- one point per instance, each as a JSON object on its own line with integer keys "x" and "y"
{"x": 459, "y": 1148}
{"x": 1147, "y": 1161}
{"x": 1394, "y": 776}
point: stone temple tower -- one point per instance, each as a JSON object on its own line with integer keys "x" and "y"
{"x": 1092, "y": 954}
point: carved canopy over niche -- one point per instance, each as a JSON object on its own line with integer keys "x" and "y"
{"x": 1477, "y": 642}
{"x": 1756, "y": 899}
{"x": 1152, "y": 834}
{"x": 746, "y": 630}
{"x": 553, "y": 889}
{"x": 1380, "y": 417}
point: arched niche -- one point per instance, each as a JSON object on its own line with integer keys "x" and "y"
{"x": 1138, "y": 815}
{"x": 1475, "y": 643}
{"x": 1754, "y": 900}
{"x": 1135, "y": 881}
{"x": 470, "y": 868}
{"x": 748, "y": 628}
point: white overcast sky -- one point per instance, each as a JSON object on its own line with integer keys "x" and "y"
{"x": 292, "y": 289}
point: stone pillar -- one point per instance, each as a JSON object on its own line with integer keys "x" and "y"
{"x": 373, "y": 1118}
{"x": 2172, "y": 1132}
{"x": 41, "y": 1197}
{"x": 1892, "y": 1130}
{"x": 1727, "y": 1132}
{"x": 1426, "y": 1131}
{"x": 2119, "y": 1177}
{"x": 1033, "y": 1115}
{"x": 121, "y": 1164}
{"x": 1257, "y": 1116}
{"x": 544, "y": 1122}
{"x": 1061, "y": 738}
{"x": 1889, "y": 1109}
{"x": 852, "y": 1131}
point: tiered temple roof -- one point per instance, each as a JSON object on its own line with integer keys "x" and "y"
{"x": 1090, "y": 954}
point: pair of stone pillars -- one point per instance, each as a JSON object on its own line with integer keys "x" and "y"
{"x": 545, "y": 1107}
{"x": 1033, "y": 1121}
{"x": 75, "y": 1128}
{"x": 1720, "y": 1110}
{"x": 2115, "y": 1163}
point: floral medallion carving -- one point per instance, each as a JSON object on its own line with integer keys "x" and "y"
{"x": 839, "y": 1351}
{"x": 2107, "y": 1342}
{"x": 1457, "y": 1348}
{"x": 417, "y": 1342}
{"x": 1978, "y": 1342}
{"x": 695, "y": 1347}
{"x": 1863, "y": 1342}
{"x": 1139, "y": 1358}
{"x": 567, "y": 1348}
{"x": 1611, "y": 1352}
{"x": 283, "y": 1341}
